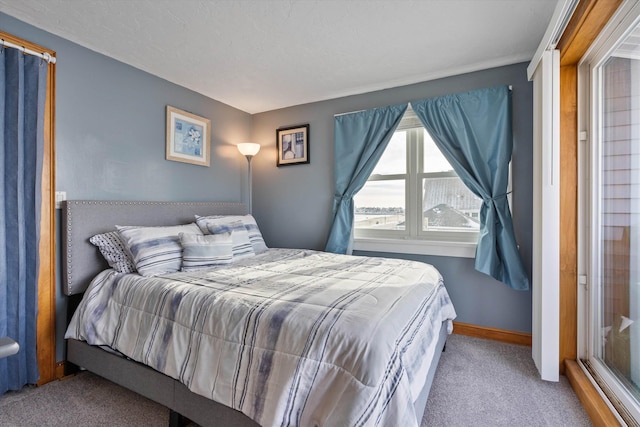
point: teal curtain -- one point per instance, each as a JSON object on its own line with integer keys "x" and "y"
{"x": 473, "y": 131}
{"x": 359, "y": 141}
{"x": 22, "y": 100}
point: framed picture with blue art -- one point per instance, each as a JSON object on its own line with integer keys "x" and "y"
{"x": 293, "y": 145}
{"x": 188, "y": 137}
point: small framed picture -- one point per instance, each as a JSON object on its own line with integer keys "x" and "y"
{"x": 188, "y": 137}
{"x": 293, "y": 145}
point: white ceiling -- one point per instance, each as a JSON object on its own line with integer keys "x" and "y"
{"x": 262, "y": 55}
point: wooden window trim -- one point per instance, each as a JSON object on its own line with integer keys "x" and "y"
{"x": 46, "y": 322}
{"x": 594, "y": 405}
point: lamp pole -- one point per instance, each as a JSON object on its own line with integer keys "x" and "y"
{"x": 249, "y": 157}
{"x": 249, "y": 149}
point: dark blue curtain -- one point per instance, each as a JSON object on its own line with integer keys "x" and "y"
{"x": 473, "y": 131}
{"x": 360, "y": 139}
{"x": 22, "y": 99}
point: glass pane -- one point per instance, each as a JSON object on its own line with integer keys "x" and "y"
{"x": 380, "y": 205}
{"x": 448, "y": 205}
{"x": 618, "y": 332}
{"x": 434, "y": 161}
{"x": 394, "y": 159}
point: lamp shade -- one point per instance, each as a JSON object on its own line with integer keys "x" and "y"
{"x": 249, "y": 148}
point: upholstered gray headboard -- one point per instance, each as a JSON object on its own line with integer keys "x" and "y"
{"x": 81, "y": 219}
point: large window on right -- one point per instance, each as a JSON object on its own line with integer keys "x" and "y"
{"x": 610, "y": 79}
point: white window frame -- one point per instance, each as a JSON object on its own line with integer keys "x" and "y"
{"x": 413, "y": 239}
{"x": 589, "y": 155}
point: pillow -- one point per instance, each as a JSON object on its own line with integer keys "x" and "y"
{"x": 239, "y": 237}
{"x": 156, "y": 250}
{"x": 255, "y": 237}
{"x": 199, "y": 252}
{"x": 114, "y": 252}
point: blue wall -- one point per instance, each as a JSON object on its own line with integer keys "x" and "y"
{"x": 293, "y": 204}
{"x": 110, "y": 130}
{"x": 110, "y": 136}
{"x": 110, "y": 141}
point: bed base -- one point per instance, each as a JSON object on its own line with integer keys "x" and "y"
{"x": 155, "y": 386}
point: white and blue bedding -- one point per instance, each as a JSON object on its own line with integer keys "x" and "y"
{"x": 288, "y": 337}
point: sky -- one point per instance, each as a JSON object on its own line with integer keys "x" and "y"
{"x": 393, "y": 161}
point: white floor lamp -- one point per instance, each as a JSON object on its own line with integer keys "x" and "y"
{"x": 249, "y": 149}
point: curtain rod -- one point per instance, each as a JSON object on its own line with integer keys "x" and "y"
{"x": 44, "y": 55}
{"x": 348, "y": 112}
{"x": 352, "y": 112}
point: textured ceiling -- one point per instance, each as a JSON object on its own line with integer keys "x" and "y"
{"x": 263, "y": 55}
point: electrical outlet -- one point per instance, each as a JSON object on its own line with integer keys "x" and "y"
{"x": 61, "y": 196}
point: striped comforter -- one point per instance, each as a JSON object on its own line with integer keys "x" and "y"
{"x": 288, "y": 337}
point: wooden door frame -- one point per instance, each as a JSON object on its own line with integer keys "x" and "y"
{"x": 46, "y": 321}
{"x": 585, "y": 25}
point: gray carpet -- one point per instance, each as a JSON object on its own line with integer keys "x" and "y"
{"x": 478, "y": 383}
{"x": 487, "y": 383}
{"x": 83, "y": 400}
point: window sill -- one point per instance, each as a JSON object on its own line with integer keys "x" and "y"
{"x": 420, "y": 247}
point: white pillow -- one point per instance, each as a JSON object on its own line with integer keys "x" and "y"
{"x": 255, "y": 236}
{"x": 239, "y": 236}
{"x": 199, "y": 252}
{"x": 156, "y": 250}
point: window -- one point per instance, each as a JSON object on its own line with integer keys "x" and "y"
{"x": 612, "y": 215}
{"x": 413, "y": 194}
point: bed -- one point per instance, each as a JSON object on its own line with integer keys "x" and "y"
{"x": 290, "y": 337}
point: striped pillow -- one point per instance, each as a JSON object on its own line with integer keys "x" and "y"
{"x": 114, "y": 252}
{"x": 156, "y": 250}
{"x": 199, "y": 252}
{"x": 255, "y": 237}
{"x": 239, "y": 236}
